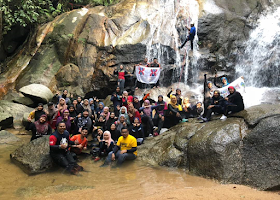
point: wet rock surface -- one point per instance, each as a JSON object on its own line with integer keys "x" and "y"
{"x": 33, "y": 157}
{"x": 7, "y": 137}
{"x": 231, "y": 151}
{"x": 37, "y": 92}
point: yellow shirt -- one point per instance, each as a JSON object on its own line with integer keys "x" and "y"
{"x": 127, "y": 143}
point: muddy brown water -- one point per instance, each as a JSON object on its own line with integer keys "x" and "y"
{"x": 134, "y": 180}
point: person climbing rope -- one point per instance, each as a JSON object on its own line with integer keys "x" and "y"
{"x": 192, "y": 31}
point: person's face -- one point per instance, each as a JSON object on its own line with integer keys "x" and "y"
{"x": 209, "y": 85}
{"x": 100, "y": 106}
{"x": 125, "y": 94}
{"x": 136, "y": 100}
{"x": 61, "y": 128}
{"x": 146, "y": 59}
{"x": 84, "y": 133}
{"x": 224, "y": 81}
{"x": 155, "y": 60}
{"x": 112, "y": 115}
{"x": 101, "y": 119}
{"x": 118, "y": 89}
{"x": 99, "y": 132}
{"x": 174, "y": 100}
{"x": 86, "y": 103}
{"x": 66, "y": 114}
{"x": 178, "y": 92}
{"x": 71, "y": 109}
{"x": 113, "y": 127}
{"x": 186, "y": 100}
{"x": 62, "y": 101}
{"x": 42, "y": 120}
{"x": 75, "y": 102}
{"x": 106, "y": 136}
{"x": 51, "y": 107}
{"x": 85, "y": 113}
{"x": 106, "y": 110}
{"x": 91, "y": 102}
{"x": 122, "y": 110}
{"x": 65, "y": 92}
{"x": 231, "y": 90}
{"x": 198, "y": 105}
{"x": 216, "y": 94}
{"x": 121, "y": 67}
{"x": 146, "y": 103}
{"x": 136, "y": 120}
{"x": 122, "y": 119}
{"x": 160, "y": 99}
{"x": 40, "y": 107}
{"x": 124, "y": 133}
{"x": 79, "y": 99}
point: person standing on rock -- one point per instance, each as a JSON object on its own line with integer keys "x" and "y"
{"x": 40, "y": 128}
{"x": 121, "y": 77}
{"x": 192, "y": 32}
{"x": 59, "y": 149}
{"x": 126, "y": 149}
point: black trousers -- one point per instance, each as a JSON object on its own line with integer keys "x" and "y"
{"x": 65, "y": 160}
{"x": 217, "y": 110}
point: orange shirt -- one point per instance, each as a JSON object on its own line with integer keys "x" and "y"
{"x": 78, "y": 137}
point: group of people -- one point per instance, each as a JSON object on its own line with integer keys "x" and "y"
{"x": 116, "y": 131}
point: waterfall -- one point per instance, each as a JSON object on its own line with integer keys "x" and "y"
{"x": 170, "y": 22}
{"x": 259, "y": 64}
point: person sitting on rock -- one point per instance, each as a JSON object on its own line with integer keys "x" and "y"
{"x": 61, "y": 106}
{"x": 234, "y": 101}
{"x": 106, "y": 113}
{"x": 91, "y": 105}
{"x": 159, "y": 115}
{"x": 40, "y": 128}
{"x": 84, "y": 121}
{"x": 106, "y": 145}
{"x": 59, "y": 149}
{"x": 99, "y": 108}
{"x": 137, "y": 131}
{"x": 217, "y": 105}
{"x": 51, "y": 113}
{"x": 125, "y": 149}
{"x": 112, "y": 119}
{"x": 100, "y": 123}
{"x": 121, "y": 122}
{"x": 66, "y": 119}
{"x": 115, "y": 134}
{"x": 86, "y": 105}
{"x": 73, "y": 115}
{"x": 208, "y": 95}
{"x": 177, "y": 95}
{"x": 197, "y": 110}
{"x": 121, "y": 77}
{"x": 78, "y": 107}
{"x": 187, "y": 108}
{"x": 146, "y": 118}
{"x": 173, "y": 116}
{"x": 223, "y": 80}
{"x": 116, "y": 98}
{"x": 64, "y": 96}
{"x": 36, "y": 114}
{"x": 132, "y": 113}
{"x": 126, "y": 99}
{"x": 80, "y": 140}
{"x": 123, "y": 111}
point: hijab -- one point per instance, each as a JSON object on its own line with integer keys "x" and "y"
{"x": 175, "y": 105}
{"x": 110, "y": 138}
{"x": 41, "y": 128}
{"x": 136, "y": 105}
{"x": 186, "y": 103}
{"x": 87, "y": 107}
{"x": 147, "y": 110}
{"x": 59, "y": 106}
{"x": 108, "y": 114}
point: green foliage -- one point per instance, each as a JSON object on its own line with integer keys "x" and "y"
{"x": 26, "y": 12}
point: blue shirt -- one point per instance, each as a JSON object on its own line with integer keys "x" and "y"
{"x": 192, "y": 31}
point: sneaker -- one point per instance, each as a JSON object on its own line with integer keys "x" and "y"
{"x": 204, "y": 119}
{"x": 223, "y": 117}
{"x": 79, "y": 168}
{"x": 150, "y": 135}
{"x": 155, "y": 134}
{"x": 96, "y": 159}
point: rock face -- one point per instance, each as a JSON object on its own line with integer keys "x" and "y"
{"x": 231, "y": 151}
{"x": 6, "y": 119}
{"x": 7, "y": 137}
{"x": 33, "y": 157}
{"x": 37, "y": 92}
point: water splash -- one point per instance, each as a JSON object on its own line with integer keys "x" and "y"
{"x": 260, "y": 62}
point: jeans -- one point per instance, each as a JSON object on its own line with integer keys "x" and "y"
{"x": 121, "y": 83}
{"x": 65, "y": 160}
{"x": 120, "y": 157}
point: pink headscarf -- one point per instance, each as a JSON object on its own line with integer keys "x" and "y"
{"x": 108, "y": 114}
{"x": 110, "y": 138}
{"x": 148, "y": 110}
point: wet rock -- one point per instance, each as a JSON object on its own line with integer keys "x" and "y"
{"x": 255, "y": 114}
{"x": 6, "y": 119}
{"x": 33, "y": 157}
{"x": 7, "y": 137}
{"x": 15, "y": 109}
{"x": 214, "y": 150}
{"x": 37, "y": 92}
{"x": 261, "y": 155}
{"x": 24, "y": 101}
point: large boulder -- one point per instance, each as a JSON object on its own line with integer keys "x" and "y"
{"x": 37, "y": 92}
{"x": 7, "y": 137}
{"x": 261, "y": 155}
{"x": 24, "y": 101}
{"x": 33, "y": 157}
{"x": 14, "y": 109}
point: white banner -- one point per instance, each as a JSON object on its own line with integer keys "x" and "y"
{"x": 149, "y": 75}
{"x": 238, "y": 84}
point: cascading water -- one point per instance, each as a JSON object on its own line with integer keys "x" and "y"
{"x": 260, "y": 62}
